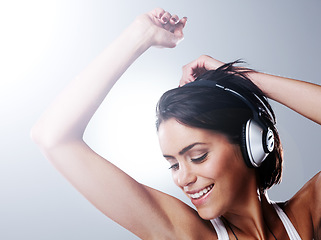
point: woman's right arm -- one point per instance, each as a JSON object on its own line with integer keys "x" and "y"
{"x": 59, "y": 132}
{"x": 70, "y": 113}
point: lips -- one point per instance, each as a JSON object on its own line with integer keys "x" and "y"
{"x": 200, "y": 193}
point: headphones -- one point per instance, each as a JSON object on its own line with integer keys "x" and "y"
{"x": 257, "y": 138}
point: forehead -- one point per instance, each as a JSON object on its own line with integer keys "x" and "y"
{"x": 174, "y": 136}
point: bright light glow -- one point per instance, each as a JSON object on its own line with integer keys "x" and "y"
{"x": 123, "y": 130}
{"x": 26, "y": 33}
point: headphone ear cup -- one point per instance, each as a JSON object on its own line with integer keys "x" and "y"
{"x": 268, "y": 141}
{"x": 253, "y": 144}
{"x": 244, "y": 146}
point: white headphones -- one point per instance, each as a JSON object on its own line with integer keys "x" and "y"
{"x": 257, "y": 138}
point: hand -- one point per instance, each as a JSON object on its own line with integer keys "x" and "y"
{"x": 166, "y": 29}
{"x": 197, "y": 67}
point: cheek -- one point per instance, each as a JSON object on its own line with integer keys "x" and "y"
{"x": 227, "y": 170}
{"x": 234, "y": 175}
{"x": 216, "y": 166}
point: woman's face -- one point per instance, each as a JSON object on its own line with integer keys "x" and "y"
{"x": 206, "y": 166}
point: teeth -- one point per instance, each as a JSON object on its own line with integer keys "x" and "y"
{"x": 201, "y": 193}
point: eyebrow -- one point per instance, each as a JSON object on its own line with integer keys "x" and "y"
{"x": 185, "y": 149}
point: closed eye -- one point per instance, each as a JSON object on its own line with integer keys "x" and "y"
{"x": 174, "y": 167}
{"x": 200, "y": 159}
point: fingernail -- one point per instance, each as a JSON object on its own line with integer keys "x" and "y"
{"x": 165, "y": 19}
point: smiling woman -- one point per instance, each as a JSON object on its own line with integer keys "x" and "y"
{"x": 217, "y": 131}
{"x": 207, "y": 168}
{"x": 229, "y": 103}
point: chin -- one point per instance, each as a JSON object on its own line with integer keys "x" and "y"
{"x": 208, "y": 213}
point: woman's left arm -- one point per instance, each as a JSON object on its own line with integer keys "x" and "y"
{"x": 316, "y": 212}
{"x": 302, "y": 97}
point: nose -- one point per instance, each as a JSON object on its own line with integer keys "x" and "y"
{"x": 185, "y": 176}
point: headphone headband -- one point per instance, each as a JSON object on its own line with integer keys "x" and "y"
{"x": 257, "y": 112}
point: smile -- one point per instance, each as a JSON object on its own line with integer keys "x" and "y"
{"x": 201, "y": 192}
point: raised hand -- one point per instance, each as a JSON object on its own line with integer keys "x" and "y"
{"x": 197, "y": 67}
{"x": 165, "y": 29}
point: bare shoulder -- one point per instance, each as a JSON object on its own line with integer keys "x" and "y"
{"x": 183, "y": 221}
{"x": 304, "y": 209}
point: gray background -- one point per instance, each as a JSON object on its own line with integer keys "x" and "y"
{"x": 44, "y": 44}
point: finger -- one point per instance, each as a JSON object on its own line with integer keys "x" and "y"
{"x": 178, "y": 31}
{"x": 171, "y": 23}
{"x": 169, "y": 27}
{"x": 158, "y": 12}
{"x": 174, "y": 19}
{"x": 199, "y": 66}
{"x": 183, "y": 82}
{"x": 166, "y": 17}
{"x": 188, "y": 75}
{"x": 182, "y": 22}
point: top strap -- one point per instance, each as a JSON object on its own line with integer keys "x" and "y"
{"x": 290, "y": 229}
{"x": 220, "y": 229}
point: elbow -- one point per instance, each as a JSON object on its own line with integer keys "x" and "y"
{"x": 49, "y": 138}
{"x": 52, "y": 134}
{"x": 44, "y": 138}
{"x": 39, "y": 137}
{"x": 35, "y": 135}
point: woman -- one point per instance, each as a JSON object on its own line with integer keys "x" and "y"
{"x": 207, "y": 165}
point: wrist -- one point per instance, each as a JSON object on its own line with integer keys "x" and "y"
{"x": 141, "y": 34}
{"x": 210, "y": 63}
{"x": 215, "y": 64}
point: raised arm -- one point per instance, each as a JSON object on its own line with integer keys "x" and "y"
{"x": 59, "y": 132}
{"x": 81, "y": 98}
{"x": 302, "y": 97}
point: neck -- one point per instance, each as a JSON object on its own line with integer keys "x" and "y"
{"x": 252, "y": 218}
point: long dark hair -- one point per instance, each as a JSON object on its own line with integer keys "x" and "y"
{"x": 211, "y": 108}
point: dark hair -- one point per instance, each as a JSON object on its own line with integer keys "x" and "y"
{"x": 211, "y": 108}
